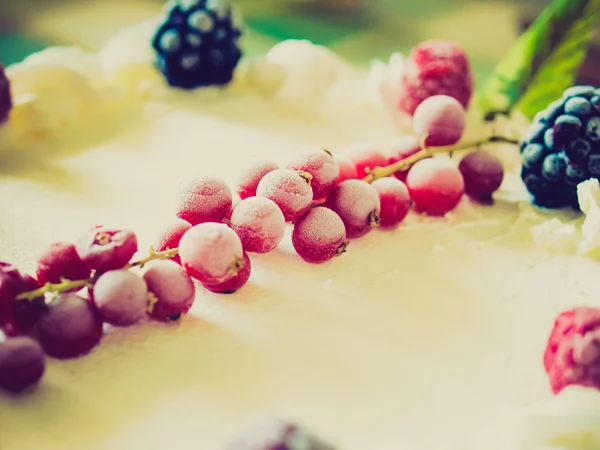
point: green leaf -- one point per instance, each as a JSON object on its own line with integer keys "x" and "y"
{"x": 543, "y": 62}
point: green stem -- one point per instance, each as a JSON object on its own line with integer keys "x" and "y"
{"x": 382, "y": 172}
{"x": 69, "y": 285}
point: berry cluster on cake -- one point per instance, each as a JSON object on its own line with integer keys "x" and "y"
{"x": 349, "y": 252}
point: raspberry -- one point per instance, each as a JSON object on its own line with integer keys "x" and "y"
{"x": 197, "y": 44}
{"x": 259, "y": 223}
{"x": 234, "y": 281}
{"x": 248, "y": 181}
{"x": 170, "y": 235}
{"x": 439, "y": 120}
{"x": 289, "y": 189}
{"x": 395, "y": 201}
{"x": 17, "y": 316}
{"x": 321, "y": 166}
{"x": 404, "y": 147}
{"x": 104, "y": 249}
{"x": 365, "y": 156}
{"x": 435, "y": 68}
{"x": 61, "y": 260}
{"x": 562, "y": 148}
{"x": 5, "y": 97}
{"x": 205, "y": 199}
{"x": 357, "y": 203}
{"x": 573, "y": 352}
{"x": 319, "y": 236}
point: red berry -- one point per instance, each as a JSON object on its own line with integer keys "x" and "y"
{"x": 248, "y": 181}
{"x": 61, "y": 260}
{"x": 483, "y": 174}
{"x": 321, "y": 166}
{"x": 22, "y": 364}
{"x": 433, "y": 68}
{"x": 17, "y": 316}
{"x": 289, "y": 189}
{"x": 573, "y": 352}
{"x": 435, "y": 185}
{"x": 211, "y": 252}
{"x": 395, "y": 201}
{"x": 357, "y": 203}
{"x": 319, "y": 236}
{"x": 259, "y": 223}
{"x": 404, "y": 147}
{"x": 347, "y": 169}
{"x": 121, "y": 297}
{"x": 365, "y": 155}
{"x": 439, "y": 120}
{"x": 234, "y": 282}
{"x": 5, "y": 97}
{"x": 106, "y": 249}
{"x": 205, "y": 199}
{"x": 173, "y": 290}
{"x": 169, "y": 237}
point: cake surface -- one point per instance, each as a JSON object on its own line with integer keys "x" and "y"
{"x": 417, "y": 337}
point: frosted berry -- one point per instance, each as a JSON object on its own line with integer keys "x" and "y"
{"x": 104, "y": 249}
{"x": 365, "y": 156}
{"x": 248, "y": 181}
{"x": 395, "y": 201}
{"x": 357, "y": 203}
{"x": 17, "y": 316}
{"x": 579, "y": 107}
{"x": 121, "y": 297}
{"x": 71, "y": 327}
{"x": 346, "y": 168}
{"x": 22, "y": 364}
{"x": 319, "y": 236}
{"x": 439, "y": 120}
{"x": 205, "y": 199}
{"x": 436, "y": 186}
{"x": 435, "y": 68}
{"x": 483, "y": 174}
{"x": 211, "y": 252}
{"x": 197, "y": 44}
{"x": 259, "y": 223}
{"x": 168, "y": 238}
{"x": 5, "y": 96}
{"x": 289, "y": 189}
{"x": 58, "y": 261}
{"x": 321, "y": 166}
{"x": 572, "y": 355}
{"x": 404, "y": 147}
{"x": 172, "y": 291}
{"x": 565, "y": 130}
{"x": 234, "y": 281}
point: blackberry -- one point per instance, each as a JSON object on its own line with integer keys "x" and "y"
{"x": 197, "y": 44}
{"x": 5, "y": 98}
{"x": 562, "y": 148}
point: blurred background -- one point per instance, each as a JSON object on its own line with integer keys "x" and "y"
{"x": 359, "y": 30}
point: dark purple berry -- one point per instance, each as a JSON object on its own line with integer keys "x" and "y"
{"x": 578, "y": 106}
{"x": 566, "y": 128}
{"x": 592, "y": 130}
{"x": 106, "y": 249}
{"x": 579, "y": 91}
{"x": 575, "y": 175}
{"x": 595, "y": 102}
{"x": 5, "y": 97}
{"x": 17, "y": 316}
{"x": 594, "y": 166}
{"x": 535, "y": 184}
{"x": 579, "y": 151}
{"x": 553, "y": 167}
{"x": 549, "y": 115}
{"x": 483, "y": 174}
{"x": 535, "y": 133}
{"x": 549, "y": 140}
{"x": 22, "y": 364}
{"x": 533, "y": 155}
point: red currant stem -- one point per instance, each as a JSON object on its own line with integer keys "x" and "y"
{"x": 69, "y": 285}
{"x": 382, "y": 172}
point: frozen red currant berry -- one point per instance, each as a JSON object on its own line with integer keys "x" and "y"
{"x": 357, "y": 204}
{"x": 234, "y": 281}
{"x": 22, "y": 364}
{"x": 248, "y": 181}
{"x": 105, "y": 248}
{"x": 205, "y": 199}
{"x": 5, "y": 96}
{"x": 483, "y": 174}
{"x": 439, "y": 120}
{"x": 347, "y": 169}
{"x": 168, "y": 238}
{"x": 320, "y": 235}
{"x": 121, "y": 297}
{"x": 289, "y": 189}
{"x": 17, "y": 316}
{"x": 61, "y": 260}
{"x": 259, "y": 223}
{"x": 436, "y": 186}
{"x": 395, "y": 201}
{"x": 172, "y": 291}
{"x": 211, "y": 252}
{"x": 321, "y": 166}
{"x": 572, "y": 355}
{"x": 404, "y": 147}
{"x": 365, "y": 156}
{"x": 435, "y": 68}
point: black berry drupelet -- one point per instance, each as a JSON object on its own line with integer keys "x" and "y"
{"x": 5, "y": 98}
{"x": 562, "y": 148}
{"x": 197, "y": 44}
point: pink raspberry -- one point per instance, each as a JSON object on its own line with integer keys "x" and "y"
{"x": 61, "y": 260}
{"x": 169, "y": 237}
{"x": 573, "y": 352}
{"x": 5, "y": 98}
{"x": 249, "y": 179}
{"x": 435, "y": 67}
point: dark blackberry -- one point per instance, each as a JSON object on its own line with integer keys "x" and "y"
{"x": 197, "y": 44}
{"x": 5, "y": 98}
{"x": 562, "y": 148}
